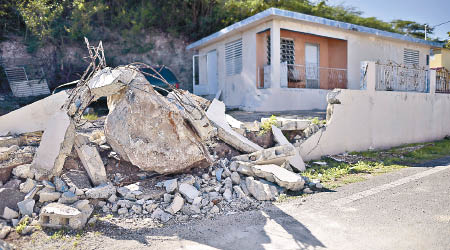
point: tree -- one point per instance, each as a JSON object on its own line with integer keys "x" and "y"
{"x": 411, "y": 28}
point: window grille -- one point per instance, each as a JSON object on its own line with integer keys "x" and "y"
{"x": 233, "y": 57}
{"x": 410, "y": 57}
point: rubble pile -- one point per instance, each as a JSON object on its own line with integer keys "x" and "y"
{"x": 152, "y": 156}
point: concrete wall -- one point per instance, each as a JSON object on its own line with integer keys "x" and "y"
{"x": 441, "y": 59}
{"x": 240, "y": 91}
{"x": 368, "y": 119}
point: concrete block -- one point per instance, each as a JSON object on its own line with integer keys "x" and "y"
{"x": 36, "y": 115}
{"x": 26, "y": 207}
{"x": 216, "y": 113}
{"x": 57, "y": 215}
{"x": 91, "y": 160}
{"x": 56, "y": 144}
{"x": 290, "y": 124}
{"x": 296, "y": 160}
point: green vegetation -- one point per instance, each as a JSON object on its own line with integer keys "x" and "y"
{"x": 337, "y": 173}
{"x": 90, "y": 117}
{"x": 59, "y": 21}
{"x": 22, "y": 225}
{"x": 266, "y": 126}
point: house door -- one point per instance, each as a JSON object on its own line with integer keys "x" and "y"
{"x": 211, "y": 61}
{"x": 312, "y": 65}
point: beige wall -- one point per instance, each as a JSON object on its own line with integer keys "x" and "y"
{"x": 441, "y": 59}
{"x": 241, "y": 91}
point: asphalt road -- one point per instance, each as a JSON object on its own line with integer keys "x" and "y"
{"x": 406, "y": 209}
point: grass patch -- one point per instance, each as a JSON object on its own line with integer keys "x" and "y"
{"x": 22, "y": 225}
{"x": 90, "y": 117}
{"x": 360, "y": 165}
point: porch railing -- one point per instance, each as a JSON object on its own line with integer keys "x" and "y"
{"x": 304, "y": 76}
{"x": 442, "y": 81}
{"x": 395, "y": 77}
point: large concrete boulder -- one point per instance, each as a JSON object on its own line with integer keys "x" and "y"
{"x": 149, "y": 131}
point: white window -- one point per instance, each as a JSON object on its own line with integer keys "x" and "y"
{"x": 233, "y": 57}
{"x": 410, "y": 57}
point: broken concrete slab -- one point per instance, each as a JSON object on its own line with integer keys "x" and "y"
{"x": 13, "y": 157}
{"x": 36, "y": 115}
{"x": 188, "y": 191}
{"x": 216, "y": 113}
{"x": 9, "y": 197}
{"x": 282, "y": 177}
{"x": 261, "y": 191}
{"x": 147, "y": 130}
{"x": 57, "y": 215}
{"x": 289, "y": 124}
{"x": 56, "y": 144}
{"x": 296, "y": 160}
{"x": 76, "y": 179}
{"x": 275, "y": 155}
{"x": 92, "y": 162}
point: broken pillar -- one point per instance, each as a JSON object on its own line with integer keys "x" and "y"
{"x": 91, "y": 160}
{"x": 216, "y": 114}
{"x": 275, "y": 155}
{"x": 296, "y": 160}
{"x": 149, "y": 131}
{"x": 56, "y": 144}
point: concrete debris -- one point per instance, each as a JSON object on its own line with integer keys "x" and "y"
{"x": 27, "y": 186}
{"x": 276, "y": 155}
{"x": 4, "y": 231}
{"x": 12, "y": 157}
{"x": 161, "y": 215}
{"x": 23, "y": 171}
{"x": 60, "y": 185}
{"x": 188, "y": 191}
{"x": 91, "y": 160}
{"x": 261, "y": 191}
{"x": 68, "y": 198}
{"x": 76, "y": 179}
{"x": 57, "y": 215}
{"x": 9, "y": 214}
{"x": 9, "y": 197}
{"x": 282, "y": 177}
{"x": 295, "y": 161}
{"x": 289, "y": 124}
{"x": 56, "y": 144}
{"x": 26, "y": 207}
{"x": 46, "y": 196}
{"x": 150, "y": 132}
{"x": 216, "y": 113}
{"x": 170, "y": 185}
{"x": 103, "y": 191}
{"x": 176, "y": 205}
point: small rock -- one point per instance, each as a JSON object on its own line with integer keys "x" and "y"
{"x": 4, "y": 232}
{"x": 228, "y": 195}
{"x": 60, "y": 185}
{"x": 9, "y": 214}
{"x": 228, "y": 183}
{"x": 319, "y": 185}
{"x": 68, "y": 198}
{"x": 176, "y": 205}
{"x": 92, "y": 220}
{"x": 307, "y": 191}
{"x": 161, "y": 215}
{"x": 197, "y": 201}
{"x": 48, "y": 196}
{"x": 26, "y": 207}
{"x": 101, "y": 203}
{"x": 219, "y": 172}
{"x": 190, "y": 179}
{"x": 261, "y": 191}
{"x": 205, "y": 177}
{"x": 112, "y": 198}
{"x": 136, "y": 209}
{"x": 168, "y": 198}
{"x": 124, "y": 203}
{"x": 233, "y": 166}
{"x": 49, "y": 185}
{"x": 27, "y": 186}
{"x": 236, "y": 178}
{"x": 170, "y": 185}
{"x": 214, "y": 210}
{"x": 122, "y": 211}
{"x": 6, "y": 246}
{"x": 23, "y": 171}
{"x": 189, "y": 192}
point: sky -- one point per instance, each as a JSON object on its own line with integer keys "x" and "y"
{"x": 432, "y": 12}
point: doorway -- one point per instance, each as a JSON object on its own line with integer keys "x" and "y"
{"x": 312, "y": 65}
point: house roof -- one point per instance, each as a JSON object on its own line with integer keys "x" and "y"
{"x": 274, "y": 12}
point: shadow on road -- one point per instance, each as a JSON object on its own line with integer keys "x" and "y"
{"x": 248, "y": 230}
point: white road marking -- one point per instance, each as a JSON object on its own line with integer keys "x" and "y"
{"x": 372, "y": 191}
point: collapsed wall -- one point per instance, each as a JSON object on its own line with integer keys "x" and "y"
{"x": 360, "y": 120}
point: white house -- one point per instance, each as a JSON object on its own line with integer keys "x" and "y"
{"x": 283, "y": 60}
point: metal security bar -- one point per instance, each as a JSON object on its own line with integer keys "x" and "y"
{"x": 394, "y": 77}
{"x": 442, "y": 81}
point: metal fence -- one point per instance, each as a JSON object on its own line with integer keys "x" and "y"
{"x": 394, "y": 77}
{"x": 442, "y": 81}
{"x": 304, "y": 76}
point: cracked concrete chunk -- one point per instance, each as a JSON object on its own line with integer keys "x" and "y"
{"x": 290, "y": 124}
{"x": 188, "y": 191}
{"x": 261, "y": 191}
{"x": 26, "y": 207}
{"x": 275, "y": 155}
{"x": 56, "y": 144}
{"x": 91, "y": 160}
{"x": 103, "y": 191}
{"x": 216, "y": 113}
{"x": 27, "y": 186}
{"x": 23, "y": 171}
{"x": 9, "y": 214}
{"x": 45, "y": 196}
{"x": 176, "y": 205}
{"x": 9, "y": 197}
{"x": 296, "y": 160}
{"x": 282, "y": 177}
{"x": 147, "y": 130}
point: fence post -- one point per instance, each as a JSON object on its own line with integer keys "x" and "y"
{"x": 371, "y": 76}
{"x": 432, "y": 77}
